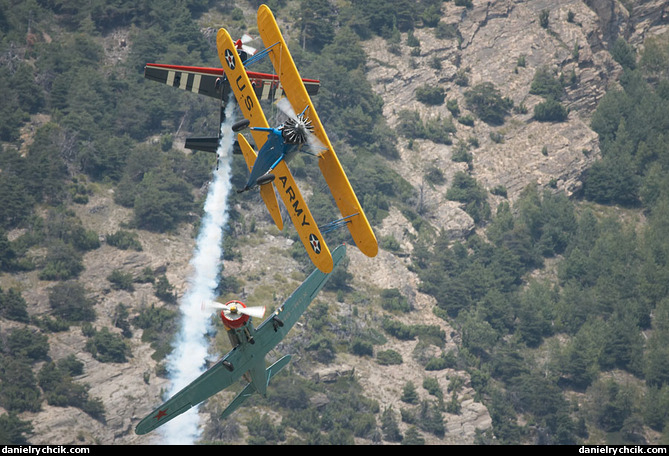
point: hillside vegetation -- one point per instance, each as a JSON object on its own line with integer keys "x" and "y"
{"x": 542, "y": 318}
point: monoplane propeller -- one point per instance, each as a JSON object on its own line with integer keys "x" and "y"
{"x": 234, "y": 308}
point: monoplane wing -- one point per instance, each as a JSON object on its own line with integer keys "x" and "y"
{"x": 215, "y": 379}
{"x": 290, "y": 194}
{"x": 334, "y": 175}
{"x": 270, "y": 333}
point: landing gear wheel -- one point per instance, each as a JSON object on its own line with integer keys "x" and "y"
{"x": 240, "y": 125}
{"x": 265, "y": 179}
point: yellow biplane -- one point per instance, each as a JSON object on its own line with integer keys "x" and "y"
{"x": 277, "y": 145}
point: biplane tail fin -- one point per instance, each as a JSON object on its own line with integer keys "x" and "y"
{"x": 250, "y": 389}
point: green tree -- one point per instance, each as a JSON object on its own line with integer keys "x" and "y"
{"x": 535, "y": 315}
{"x": 13, "y": 430}
{"x": 13, "y": 306}
{"x": 165, "y": 290}
{"x": 413, "y": 437}
{"x": 409, "y": 393}
{"x": 478, "y": 336}
{"x": 19, "y": 392}
{"x": 262, "y": 431}
{"x": 389, "y": 426}
{"x": 624, "y": 53}
{"x": 466, "y": 189}
{"x": 163, "y": 201}
{"x": 121, "y": 280}
{"x": 317, "y": 24}
{"x": 28, "y": 344}
{"x": 383, "y": 16}
{"x": 12, "y": 115}
{"x": 613, "y": 180}
{"x": 108, "y": 347}
{"x": 656, "y": 370}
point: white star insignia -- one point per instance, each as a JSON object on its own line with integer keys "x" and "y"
{"x": 230, "y": 59}
{"x": 315, "y": 243}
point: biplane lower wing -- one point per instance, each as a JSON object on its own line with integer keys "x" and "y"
{"x": 304, "y": 222}
{"x": 200, "y": 80}
{"x": 334, "y": 175}
{"x": 250, "y": 107}
{"x": 266, "y": 190}
{"x": 210, "y": 81}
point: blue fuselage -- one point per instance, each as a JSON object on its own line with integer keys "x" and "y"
{"x": 274, "y": 150}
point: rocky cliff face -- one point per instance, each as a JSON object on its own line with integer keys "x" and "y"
{"x": 492, "y": 38}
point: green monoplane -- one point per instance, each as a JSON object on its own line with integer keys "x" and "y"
{"x": 247, "y": 358}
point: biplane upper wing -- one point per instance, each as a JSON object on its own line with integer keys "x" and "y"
{"x": 215, "y": 379}
{"x": 334, "y": 175}
{"x": 290, "y": 194}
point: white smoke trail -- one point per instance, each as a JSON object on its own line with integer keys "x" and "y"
{"x": 186, "y": 362}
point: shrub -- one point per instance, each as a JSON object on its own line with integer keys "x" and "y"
{"x": 445, "y": 31}
{"x": 388, "y": 357}
{"x": 108, "y": 347}
{"x": 546, "y": 85}
{"x": 466, "y": 190}
{"x": 63, "y": 262}
{"x": 121, "y": 280}
{"x": 28, "y": 344}
{"x": 487, "y": 102}
{"x": 165, "y": 290}
{"x": 431, "y": 385}
{"x": 392, "y": 299}
{"x": 159, "y": 324}
{"x": 543, "y": 18}
{"x": 124, "y": 240}
{"x": 466, "y": 120}
{"x": 19, "y": 392}
{"x": 550, "y": 111}
{"x": 430, "y": 95}
{"x": 163, "y": 200}
{"x": 499, "y": 190}
{"x": 435, "y": 176}
{"x": 461, "y": 153}
{"x": 69, "y": 302}
{"x": 361, "y": 347}
{"x": 452, "y": 106}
